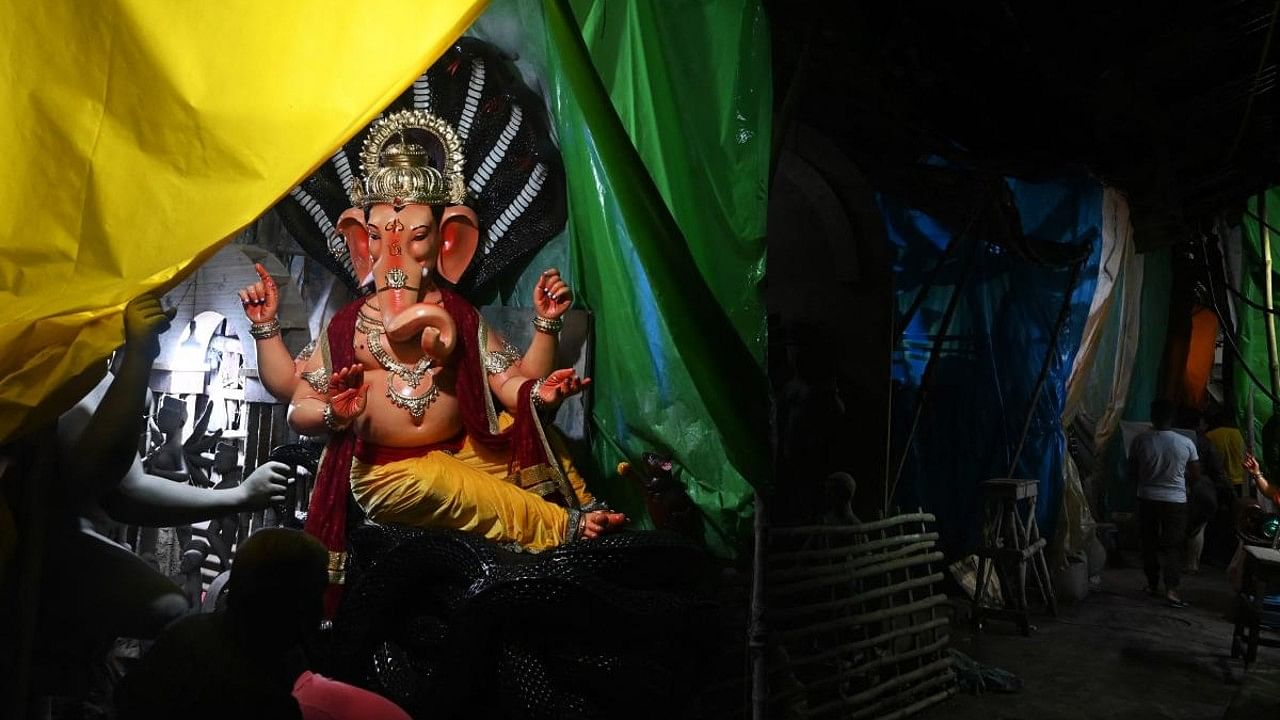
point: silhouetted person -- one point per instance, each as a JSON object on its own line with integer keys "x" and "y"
{"x": 101, "y": 590}
{"x": 1229, "y": 442}
{"x": 1202, "y": 492}
{"x": 1162, "y": 463}
{"x": 247, "y": 661}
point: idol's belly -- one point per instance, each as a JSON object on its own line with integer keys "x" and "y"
{"x": 387, "y": 421}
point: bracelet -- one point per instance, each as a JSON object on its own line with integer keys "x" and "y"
{"x": 262, "y": 331}
{"x": 550, "y": 326}
{"x": 576, "y": 524}
{"x": 331, "y": 421}
{"x": 535, "y": 399}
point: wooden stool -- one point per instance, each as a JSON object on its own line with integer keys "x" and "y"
{"x": 1261, "y": 577}
{"x": 1011, "y": 540}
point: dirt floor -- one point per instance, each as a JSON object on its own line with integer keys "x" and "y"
{"x": 1119, "y": 654}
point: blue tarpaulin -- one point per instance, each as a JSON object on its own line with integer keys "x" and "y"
{"x": 990, "y": 357}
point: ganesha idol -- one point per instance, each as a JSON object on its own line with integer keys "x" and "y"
{"x": 435, "y": 420}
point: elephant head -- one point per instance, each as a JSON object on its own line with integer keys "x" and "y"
{"x": 409, "y": 227}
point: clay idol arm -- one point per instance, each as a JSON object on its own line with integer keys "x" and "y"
{"x": 103, "y": 439}
{"x": 142, "y": 499}
{"x": 548, "y": 394}
{"x": 327, "y": 402}
{"x": 276, "y": 368}
{"x": 310, "y": 398}
{"x": 552, "y": 298}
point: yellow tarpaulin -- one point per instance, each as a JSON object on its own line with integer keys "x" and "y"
{"x": 139, "y": 135}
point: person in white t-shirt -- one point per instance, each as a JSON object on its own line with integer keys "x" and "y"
{"x": 1161, "y": 462}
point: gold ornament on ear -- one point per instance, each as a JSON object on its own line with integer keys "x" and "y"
{"x": 398, "y": 171}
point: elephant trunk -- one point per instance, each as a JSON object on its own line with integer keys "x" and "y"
{"x": 406, "y": 319}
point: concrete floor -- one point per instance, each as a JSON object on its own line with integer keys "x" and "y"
{"x": 1116, "y": 654}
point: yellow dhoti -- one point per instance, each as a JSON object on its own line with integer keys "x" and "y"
{"x": 471, "y": 491}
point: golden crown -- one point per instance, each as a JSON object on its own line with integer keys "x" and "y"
{"x": 399, "y": 172}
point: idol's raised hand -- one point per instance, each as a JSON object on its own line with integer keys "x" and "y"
{"x": 553, "y": 296}
{"x": 261, "y": 300}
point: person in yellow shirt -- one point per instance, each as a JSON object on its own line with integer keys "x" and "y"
{"x": 1229, "y": 443}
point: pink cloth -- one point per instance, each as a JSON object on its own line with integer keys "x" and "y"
{"x": 323, "y": 699}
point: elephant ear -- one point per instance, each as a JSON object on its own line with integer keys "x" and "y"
{"x": 459, "y": 235}
{"x": 355, "y": 234}
{"x": 514, "y": 174}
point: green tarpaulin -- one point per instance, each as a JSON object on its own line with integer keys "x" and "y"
{"x": 690, "y": 83}
{"x": 665, "y": 244}
{"x": 1251, "y": 335}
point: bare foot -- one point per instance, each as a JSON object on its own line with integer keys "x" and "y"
{"x": 600, "y": 522}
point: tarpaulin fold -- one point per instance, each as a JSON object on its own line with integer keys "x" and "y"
{"x": 1153, "y": 319}
{"x": 1099, "y": 381}
{"x": 671, "y": 372}
{"x": 140, "y": 135}
{"x": 660, "y": 61}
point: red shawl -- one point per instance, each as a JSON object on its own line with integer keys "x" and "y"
{"x": 327, "y": 514}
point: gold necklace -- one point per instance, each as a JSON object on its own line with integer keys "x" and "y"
{"x": 366, "y": 324}
{"x": 412, "y": 376}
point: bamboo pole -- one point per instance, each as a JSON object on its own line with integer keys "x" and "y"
{"x": 861, "y": 619}
{"x": 922, "y": 704}
{"x": 1064, "y": 312}
{"x": 948, "y": 678}
{"x": 853, "y": 647}
{"x": 858, "y": 599}
{"x": 1268, "y": 299}
{"x": 822, "y": 580}
{"x": 757, "y": 634}
{"x": 931, "y": 368}
{"x": 854, "y": 562}
{"x": 866, "y": 549}
{"x": 902, "y": 519}
{"x": 844, "y": 675}
{"x": 938, "y": 669}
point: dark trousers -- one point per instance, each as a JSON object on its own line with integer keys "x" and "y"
{"x": 1164, "y": 536}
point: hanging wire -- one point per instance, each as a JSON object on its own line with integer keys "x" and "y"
{"x": 1257, "y": 76}
{"x": 1235, "y": 349}
{"x": 1251, "y": 303}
